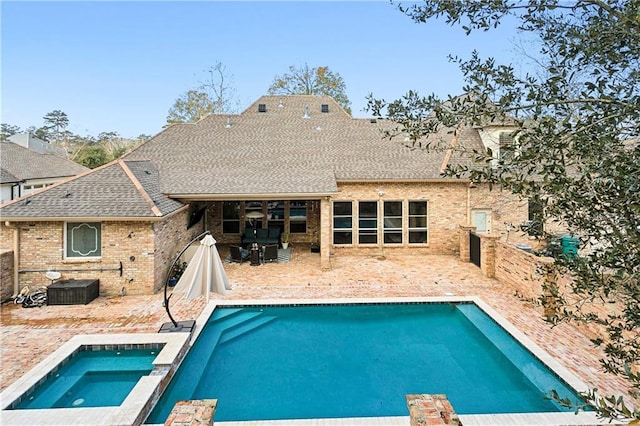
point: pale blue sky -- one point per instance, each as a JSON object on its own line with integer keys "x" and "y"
{"x": 119, "y": 66}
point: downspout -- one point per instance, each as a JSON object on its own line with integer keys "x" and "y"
{"x": 16, "y": 255}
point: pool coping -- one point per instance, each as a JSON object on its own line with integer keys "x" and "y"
{"x": 139, "y": 400}
{"x": 549, "y": 418}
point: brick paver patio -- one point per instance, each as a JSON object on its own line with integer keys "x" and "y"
{"x": 29, "y": 335}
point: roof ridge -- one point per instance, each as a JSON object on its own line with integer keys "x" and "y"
{"x": 145, "y": 196}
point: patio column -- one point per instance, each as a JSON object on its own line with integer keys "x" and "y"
{"x": 465, "y": 253}
{"x": 325, "y": 233}
{"x": 488, "y": 254}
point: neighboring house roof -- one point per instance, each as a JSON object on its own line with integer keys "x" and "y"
{"x": 24, "y": 164}
{"x": 280, "y": 152}
{"x": 36, "y": 144}
{"x": 119, "y": 190}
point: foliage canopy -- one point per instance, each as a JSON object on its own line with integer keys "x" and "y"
{"x": 577, "y": 148}
{"x": 311, "y": 81}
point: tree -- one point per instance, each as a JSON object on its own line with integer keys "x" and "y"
{"x": 215, "y": 95}
{"x": 311, "y": 81}
{"x": 91, "y": 156}
{"x": 576, "y": 150}
{"x": 190, "y": 107}
{"x": 8, "y": 130}
{"x": 57, "y": 120}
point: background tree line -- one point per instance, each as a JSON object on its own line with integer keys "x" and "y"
{"x": 90, "y": 151}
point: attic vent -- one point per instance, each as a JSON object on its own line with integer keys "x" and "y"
{"x": 325, "y": 107}
{"x": 262, "y": 107}
{"x": 373, "y": 120}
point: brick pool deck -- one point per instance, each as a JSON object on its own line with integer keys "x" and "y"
{"x": 29, "y": 335}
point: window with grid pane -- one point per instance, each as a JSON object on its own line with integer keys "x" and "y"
{"x": 392, "y": 222}
{"x": 368, "y": 222}
{"x": 418, "y": 222}
{"x": 231, "y": 217}
{"x": 342, "y": 222}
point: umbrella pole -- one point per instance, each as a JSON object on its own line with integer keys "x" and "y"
{"x": 175, "y": 326}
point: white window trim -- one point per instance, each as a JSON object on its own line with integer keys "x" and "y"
{"x": 79, "y": 258}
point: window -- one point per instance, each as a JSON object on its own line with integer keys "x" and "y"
{"x": 231, "y": 217}
{"x": 298, "y": 217}
{"x": 83, "y": 240}
{"x": 275, "y": 215}
{"x": 368, "y": 222}
{"x": 342, "y": 222}
{"x": 392, "y": 222}
{"x": 506, "y": 146}
{"x": 418, "y": 222}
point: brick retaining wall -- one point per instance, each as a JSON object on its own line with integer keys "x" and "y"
{"x": 6, "y": 275}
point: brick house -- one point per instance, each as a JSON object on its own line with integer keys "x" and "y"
{"x": 301, "y": 161}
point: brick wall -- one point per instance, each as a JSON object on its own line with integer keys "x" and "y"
{"x": 171, "y": 236}
{"x": 505, "y": 207}
{"x": 519, "y": 269}
{"x": 145, "y": 249}
{"x": 132, "y": 243}
{"x": 6, "y": 275}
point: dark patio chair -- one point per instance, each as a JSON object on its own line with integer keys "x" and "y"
{"x": 238, "y": 254}
{"x": 270, "y": 253}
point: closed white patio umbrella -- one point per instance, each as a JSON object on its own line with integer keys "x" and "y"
{"x": 204, "y": 272}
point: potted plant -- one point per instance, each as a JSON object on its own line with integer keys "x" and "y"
{"x": 284, "y": 238}
{"x": 176, "y": 273}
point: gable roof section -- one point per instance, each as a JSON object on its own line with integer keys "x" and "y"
{"x": 118, "y": 190}
{"x": 24, "y": 164}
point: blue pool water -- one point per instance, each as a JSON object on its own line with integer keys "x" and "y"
{"x": 357, "y": 361}
{"x": 92, "y": 379}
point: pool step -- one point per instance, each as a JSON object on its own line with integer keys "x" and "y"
{"x": 245, "y": 327}
{"x": 224, "y": 313}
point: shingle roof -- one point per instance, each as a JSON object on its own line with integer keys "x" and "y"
{"x": 280, "y": 152}
{"x": 25, "y": 164}
{"x": 121, "y": 189}
{"x": 291, "y": 149}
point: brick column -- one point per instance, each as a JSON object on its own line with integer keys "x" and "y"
{"x": 325, "y": 234}
{"x": 434, "y": 409}
{"x": 192, "y": 413}
{"x": 464, "y": 231}
{"x": 488, "y": 254}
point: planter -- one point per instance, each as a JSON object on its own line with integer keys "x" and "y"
{"x": 285, "y": 245}
{"x": 173, "y": 282}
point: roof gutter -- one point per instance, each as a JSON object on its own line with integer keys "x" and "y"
{"x": 16, "y": 255}
{"x": 266, "y": 196}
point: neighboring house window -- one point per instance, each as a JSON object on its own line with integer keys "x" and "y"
{"x": 83, "y": 240}
{"x": 506, "y": 146}
{"x": 418, "y": 222}
{"x": 231, "y": 217}
{"x": 368, "y": 222}
{"x": 298, "y": 217}
{"x": 342, "y": 222}
{"x": 30, "y": 188}
{"x": 392, "y": 222}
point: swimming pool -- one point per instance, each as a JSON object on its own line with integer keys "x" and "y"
{"x": 91, "y": 378}
{"x": 358, "y": 360}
